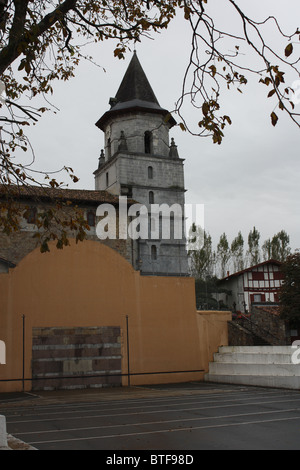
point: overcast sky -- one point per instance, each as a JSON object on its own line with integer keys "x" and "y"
{"x": 252, "y": 179}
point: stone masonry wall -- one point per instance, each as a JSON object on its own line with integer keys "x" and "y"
{"x": 17, "y": 245}
{"x": 268, "y": 321}
{"x": 134, "y": 125}
{"x": 238, "y": 335}
{"x": 71, "y": 358}
{"x": 263, "y": 327}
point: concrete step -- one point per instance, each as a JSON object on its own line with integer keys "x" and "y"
{"x": 3, "y": 433}
{"x": 257, "y": 349}
{"x": 258, "y": 381}
{"x": 267, "y": 366}
{"x": 223, "y": 368}
{"x": 253, "y": 358}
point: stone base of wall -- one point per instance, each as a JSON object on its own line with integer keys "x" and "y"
{"x": 263, "y": 327}
{"x": 267, "y": 319}
{"x": 73, "y": 358}
{"x": 238, "y": 335}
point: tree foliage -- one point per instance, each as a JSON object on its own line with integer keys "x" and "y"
{"x": 43, "y": 40}
{"x": 237, "y": 252}
{"x": 201, "y": 256}
{"x": 215, "y": 65}
{"x": 206, "y": 290}
{"x": 223, "y": 253}
{"x": 234, "y": 257}
{"x": 253, "y": 247}
{"x": 278, "y": 247}
{"x": 40, "y": 42}
{"x": 290, "y": 291}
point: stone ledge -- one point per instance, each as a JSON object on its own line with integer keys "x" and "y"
{"x": 16, "y": 444}
{"x": 3, "y": 433}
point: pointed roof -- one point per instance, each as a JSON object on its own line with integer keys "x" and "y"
{"x": 135, "y": 85}
{"x": 134, "y": 94}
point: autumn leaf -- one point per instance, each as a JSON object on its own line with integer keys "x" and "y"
{"x": 44, "y": 248}
{"x": 271, "y": 93}
{"x": 187, "y": 12}
{"x": 228, "y": 119}
{"x": 288, "y": 50}
{"x": 213, "y": 69}
{"x": 274, "y": 118}
{"x": 205, "y": 108}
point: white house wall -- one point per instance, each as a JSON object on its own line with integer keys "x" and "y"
{"x": 259, "y": 285}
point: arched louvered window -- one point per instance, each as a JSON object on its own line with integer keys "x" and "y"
{"x": 148, "y": 142}
{"x": 153, "y": 253}
{"x": 91, "y": 218}
{"x": 150, "y": 172}
{"x": 151, "y": 197}
{"x": 30, "y": 215}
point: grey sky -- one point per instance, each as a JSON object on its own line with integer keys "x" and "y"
{"x": 252, "y": 179}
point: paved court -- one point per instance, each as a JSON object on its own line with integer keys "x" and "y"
{"x": 186, "y": 417}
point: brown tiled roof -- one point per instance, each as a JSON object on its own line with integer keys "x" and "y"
{"x": 273, "y": 310}
{"x": 270, "y": 261}
{"x": 8, "y": 263}
{"x": 48, "y": 194}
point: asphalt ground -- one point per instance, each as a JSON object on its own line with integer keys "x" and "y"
{"x": 176, "y": 417}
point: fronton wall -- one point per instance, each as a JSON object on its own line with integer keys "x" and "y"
{"x": 89, "y": 285}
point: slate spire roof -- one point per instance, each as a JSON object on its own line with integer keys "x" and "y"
{"x": 135, "y": 85}
{"x": 134, "y": 94}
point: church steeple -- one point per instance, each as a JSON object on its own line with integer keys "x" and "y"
{"x": 134, "y": 94}
{"x": 135, "y": 85}
{"x": 141, "y": 164}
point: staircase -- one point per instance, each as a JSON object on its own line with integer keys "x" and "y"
{"x": 265, "y": 366}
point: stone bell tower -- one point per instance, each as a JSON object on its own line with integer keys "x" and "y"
{"x": 140, "y": 162}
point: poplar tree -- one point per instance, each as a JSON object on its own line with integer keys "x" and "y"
{"x": 253, "y": 247}
{"x": 237, "y": 252}
{"x": 201, "y": 258}
{"x": 223, "y": 254}
{"x": 278, "y": 247}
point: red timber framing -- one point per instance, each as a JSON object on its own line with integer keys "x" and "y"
{"x": 262, "y": 282}
{"x": 259, "y": 283}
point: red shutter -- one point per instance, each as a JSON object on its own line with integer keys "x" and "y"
{"x": 278, "y": 275}
{"x": 258, "y": 276}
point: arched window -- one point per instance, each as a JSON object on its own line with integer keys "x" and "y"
{"x": 153, "y": 252}
{"x": 150, "y": 172}
{"x": 148, "y": 142}
{"x": 151, "y": 197}
{"x": 107, "y": 179}
{"x": 91, "y": 218}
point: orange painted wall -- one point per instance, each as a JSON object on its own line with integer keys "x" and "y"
{"x": 213, "y": 333}
{"x": 89, "y": 284}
